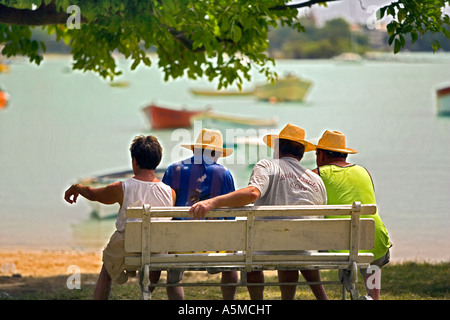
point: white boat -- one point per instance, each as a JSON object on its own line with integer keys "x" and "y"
{"x": 348, "y": 57}
{"x": 443, "y": 100}
{"x": 290, "y": 88}
{"x": 236, "y": 120}
{"x": 102, "y": 211}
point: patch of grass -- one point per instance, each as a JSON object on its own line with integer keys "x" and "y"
{"x": 405, "y": 281}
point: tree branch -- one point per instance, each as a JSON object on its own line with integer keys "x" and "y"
{"x": 185, "y": 41}
{"x": 301, "y": 4}
{"x": 48, "y": 15}
{"x": 44, "y": 15}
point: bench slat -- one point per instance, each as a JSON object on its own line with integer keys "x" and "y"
{"x": 202, "y": 261}
{"x": 190, "y": 235}
{"x": 311, "y": 234}
{"x": 259, "y": 211}
{"x": 208, "y": 235}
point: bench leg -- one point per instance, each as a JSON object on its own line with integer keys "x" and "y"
{"x": 349, "y": 277}
{"x": 144, "y": 283}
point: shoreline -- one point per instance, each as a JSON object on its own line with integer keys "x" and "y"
{"x": 49, "y": 262}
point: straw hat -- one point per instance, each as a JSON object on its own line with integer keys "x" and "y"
{"x": 290, "y": 132}
{"x": 209, "y": 139}
{"x": 334, "y": 141}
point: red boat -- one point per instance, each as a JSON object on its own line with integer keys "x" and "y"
{"x": 4, "y": 97}
{"x": 166, "y": 118}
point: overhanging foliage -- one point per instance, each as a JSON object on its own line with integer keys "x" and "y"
{"x": 217, "y": 39}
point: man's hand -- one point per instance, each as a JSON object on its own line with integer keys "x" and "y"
{"x": 201, "y": 208}
{"x": 71, "y": 194}
{"x": 238, "y": 198}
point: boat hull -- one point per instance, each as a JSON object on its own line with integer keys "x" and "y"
{"x": 288, "y": 89}
{"x": 443, "y": 101}
{"x": 213, "y": 117}
{"x": 4, "y": 98}
{"x": 166, "y": 118}
{"x": 214, "y": 93}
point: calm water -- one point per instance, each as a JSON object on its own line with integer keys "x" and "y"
{"x": 63, "y": 125}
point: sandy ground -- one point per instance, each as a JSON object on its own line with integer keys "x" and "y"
{"x": 48, "y": 263}
{"x": 44, "y": 272}
{"x": 23, "y": 272}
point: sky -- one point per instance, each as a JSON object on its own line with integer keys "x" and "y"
{"x": 354, "y": 11}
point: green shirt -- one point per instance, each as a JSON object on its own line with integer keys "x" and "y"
{"x": 345, "y": 185}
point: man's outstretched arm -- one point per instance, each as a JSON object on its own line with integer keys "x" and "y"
{"x": 110, "y": 194}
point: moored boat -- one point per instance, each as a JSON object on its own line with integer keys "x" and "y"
{"x": 289, "y": 89}
{"x": 4, "y": 67}
{"x": 443, "y": 100}
{"x": 237, "y": 120}
{"x": 206, "y": 92}
{"x": 102, "y": 211}
{"x": 168, "y": 118}
{"x": 4, "y": 98}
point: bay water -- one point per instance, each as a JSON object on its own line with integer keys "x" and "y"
{"x": 62, "y": 125}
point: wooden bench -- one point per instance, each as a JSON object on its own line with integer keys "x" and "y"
{"x": 254, "y": 242}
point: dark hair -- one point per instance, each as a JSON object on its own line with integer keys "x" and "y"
{"x": 291, "y": 147}
{"x": 334, "y": 154}
{"x": 147, "y": 151}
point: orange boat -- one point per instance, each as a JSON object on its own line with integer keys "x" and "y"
{"x": 4, "y": 97}
{"x": 167, "y": 118}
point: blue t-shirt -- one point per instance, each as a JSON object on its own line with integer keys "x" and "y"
{"x": 196, "y": 179}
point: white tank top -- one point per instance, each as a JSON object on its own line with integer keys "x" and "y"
{"x": 137, "y": 193}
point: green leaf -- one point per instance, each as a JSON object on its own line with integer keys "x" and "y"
{"x": 434, "y": 46}
{"x": 237, "y": 33}
{"x": 397, "y": 46}
{"x": 391, "y": 39}
{"x": 402, "y": 41}
{"x": 414, "y": 36}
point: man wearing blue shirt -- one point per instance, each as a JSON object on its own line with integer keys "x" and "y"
{"x": 199, "y": 178}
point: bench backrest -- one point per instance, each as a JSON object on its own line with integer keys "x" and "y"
{"x": 253, "y": 230}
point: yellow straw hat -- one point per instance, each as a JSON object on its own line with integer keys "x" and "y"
{"x": 209, "y": 139}
{"x": 290, "y": 132}
{"x": 334, "y": 141}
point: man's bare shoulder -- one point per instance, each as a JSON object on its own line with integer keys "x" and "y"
{"x": 115, "y": 185}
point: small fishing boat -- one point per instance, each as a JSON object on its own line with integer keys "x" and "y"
{"x": 119, "y": 84}
{"x": 4, "y": 67}
{"x": 4, "y": 99}
{"x": 290, "y": 88}
{"x": 348, "y": 57}
{"x": 102, "y": 211}
{"x": 227, "y": 93}
{"x": 168, "y": 118}
{"x": 237, "y": 120}
{"x": 443, "y": 100}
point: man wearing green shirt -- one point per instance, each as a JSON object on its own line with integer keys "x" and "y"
{"x": 345, "y": 183}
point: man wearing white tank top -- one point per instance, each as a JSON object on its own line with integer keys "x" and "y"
{"x": 142, "y": 188}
